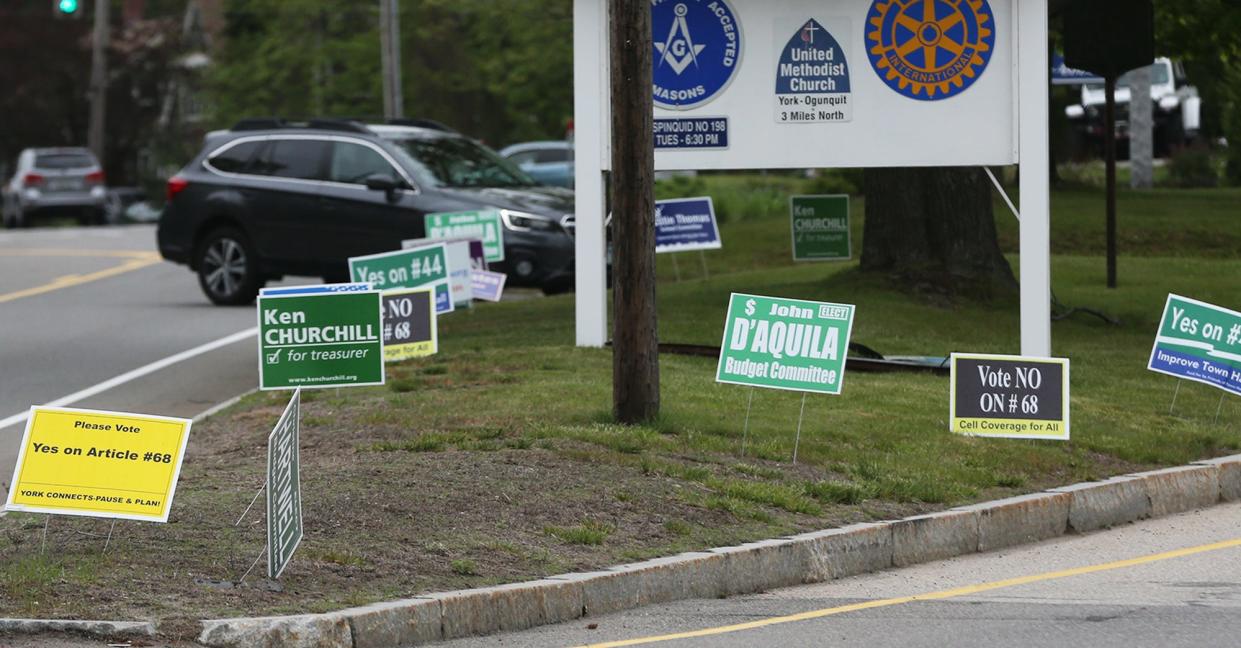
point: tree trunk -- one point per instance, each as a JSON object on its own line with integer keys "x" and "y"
{"x": 933, "y": 229}
{"x": 635, "y": 346}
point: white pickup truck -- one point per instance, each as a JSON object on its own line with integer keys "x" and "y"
{"x": 1177, "y": 109}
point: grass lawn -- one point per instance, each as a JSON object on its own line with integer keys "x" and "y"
{"x": 495, "y": 461}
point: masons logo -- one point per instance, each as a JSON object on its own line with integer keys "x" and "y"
{"x": 697, "y": 51}
{"x": 930, "y": 49}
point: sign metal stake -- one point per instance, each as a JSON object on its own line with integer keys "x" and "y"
{"x": 1219, "y": 408}
{"x": 256, "y": 498}
{"x": 109, "y": 540}
{"x": 702, "y": 256}
{"x": 1172, "y": 409}
{"x": 745, "y": 432}
{"x": 252, "y": 565}
{"x": 43, "y": 545}
{"x": 676, "y": 268}
{"x": 800, "y": 416}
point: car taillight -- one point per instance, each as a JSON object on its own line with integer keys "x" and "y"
{"x": 32, "y": 180}
{"x": 95, "y": 177}
{"x": 176, "y": 185}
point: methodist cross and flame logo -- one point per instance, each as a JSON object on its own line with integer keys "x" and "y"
{"x": 930, "y": 49}
{"x": 697, "y": 51}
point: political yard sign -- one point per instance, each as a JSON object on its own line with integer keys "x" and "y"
{"x": 788, "y": 344}
{"x": 284, "y": 488}
{"x": 1012, "y": 397}
{"x": 820, "y": 227}
{"x": 1200, "y": 342}
{"x": 409, "y": 324}
{"x": 485, "y": 226}
{"x": 412, "y": 268}
{"x": 685, "y": 224}
{"x": 325, "y": 339}
{"x": 98, "y": 464}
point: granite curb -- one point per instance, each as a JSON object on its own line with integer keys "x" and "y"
{"x": 728, "y": 571}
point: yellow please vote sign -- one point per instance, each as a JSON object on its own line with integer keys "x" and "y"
{"x": 99, "y": 464}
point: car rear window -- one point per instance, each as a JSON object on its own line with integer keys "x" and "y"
{"x": 64, "y": 161}
{"x": 294, "y": 158}
{"x": 552, "y": 155}
{"x": 235, "y": 159}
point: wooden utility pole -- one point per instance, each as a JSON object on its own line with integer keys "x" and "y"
{"x": 99, "y": 80}
{"x": 390, "y": 44}
{"x": 635, "y": 347}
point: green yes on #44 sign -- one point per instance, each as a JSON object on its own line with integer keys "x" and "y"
{"x": 785, "y": 344}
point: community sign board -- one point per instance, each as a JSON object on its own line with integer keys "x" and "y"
{"x": 820, "y": 226}
{"x": 783, "y": 343}
{"x": 1200, "y": 342}
{"x": 809, "y": 84}
{"x": 686, "y": 224}
{"x": 410, "y": 329}
{"x": 488, "y": 285}
{"x": 98, "y": 464}
{"x": 323, "y": 339}
{"x": 485, "y": 226}
{"x": 284, "y": 488}
{"x": 413, "y": 268}
{"x": 1012, "y": 397}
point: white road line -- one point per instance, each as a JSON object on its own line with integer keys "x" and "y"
{"x": 135, "y": 374}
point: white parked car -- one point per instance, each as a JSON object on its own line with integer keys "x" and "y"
{"x": 50, "y": 181}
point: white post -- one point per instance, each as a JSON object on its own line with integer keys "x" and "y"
{"x": 1032, "y": 73}
{"x": 590, "y": 74}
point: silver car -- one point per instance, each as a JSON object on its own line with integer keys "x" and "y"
{"x": 49, "y": 181}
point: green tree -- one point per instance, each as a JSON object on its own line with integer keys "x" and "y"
{"x": 1206, "y": 36}
{"x": 499, "y": 70}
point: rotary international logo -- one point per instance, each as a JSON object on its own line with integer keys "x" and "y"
{"x": 930, "y": 49}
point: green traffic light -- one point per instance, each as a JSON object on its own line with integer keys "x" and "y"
{"x": 67, "y": 6}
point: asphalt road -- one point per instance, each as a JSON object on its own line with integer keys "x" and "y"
{"x": 81, "y": 306}
{"x": 1077, "y": 594}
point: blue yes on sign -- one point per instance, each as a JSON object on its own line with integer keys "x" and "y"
{"x": 686, "y": 224}
{"x": 697, "y": 51}
{"x": 1200, "y": 342}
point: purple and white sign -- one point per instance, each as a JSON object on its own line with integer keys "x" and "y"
{"x": 488, "y": 286}
{"x": 686, "y": 224}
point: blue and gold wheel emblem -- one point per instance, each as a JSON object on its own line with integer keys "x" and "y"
{"x": 930, "y": 49}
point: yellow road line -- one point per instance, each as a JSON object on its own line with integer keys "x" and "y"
{"x": 77, "y": 280}
{"x": 930, "y": 596}
{"x": 70, "y": 252}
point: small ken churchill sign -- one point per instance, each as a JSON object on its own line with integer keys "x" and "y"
{"x": 788, "y": 344}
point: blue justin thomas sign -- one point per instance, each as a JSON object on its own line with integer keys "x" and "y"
{"x": 686, "y": 224}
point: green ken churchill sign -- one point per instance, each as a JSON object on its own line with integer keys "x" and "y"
{"x": 820, "y": 228}
{"x": 785, "y": 344}
{"x": 482, "y": 225}
{"x": 320, "y": 340}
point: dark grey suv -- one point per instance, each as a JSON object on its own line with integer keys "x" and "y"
{"x": 270, "y": 198}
